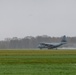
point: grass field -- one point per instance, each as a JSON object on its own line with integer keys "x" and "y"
{"x": 37, "y": 62}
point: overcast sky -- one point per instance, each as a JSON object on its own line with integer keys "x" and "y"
{"x": 20, "y": 18}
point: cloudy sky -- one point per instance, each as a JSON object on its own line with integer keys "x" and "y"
{"x": 20, "y": 18}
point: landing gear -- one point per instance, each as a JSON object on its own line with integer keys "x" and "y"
{"x": 49, "y": 48}
{"x": 56, "y": 48}
{"x": 40, "y": 48}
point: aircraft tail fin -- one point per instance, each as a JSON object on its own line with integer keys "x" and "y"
{"x": 64, "y": 39}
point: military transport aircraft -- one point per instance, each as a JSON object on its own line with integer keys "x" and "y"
{"x": 53, "y": 45}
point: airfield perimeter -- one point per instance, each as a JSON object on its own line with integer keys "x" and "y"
{"x": 37, "y": 62}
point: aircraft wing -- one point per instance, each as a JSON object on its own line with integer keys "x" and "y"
{"x": 47, "y": 44}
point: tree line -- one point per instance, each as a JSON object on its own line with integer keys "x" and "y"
{"x": 29, "y": 42}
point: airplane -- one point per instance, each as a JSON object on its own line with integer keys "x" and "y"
{"x": 53, "y": 45}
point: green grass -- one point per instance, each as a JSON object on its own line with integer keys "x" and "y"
{"x": 37, "y": 62}
{"x": 38, "y": 69}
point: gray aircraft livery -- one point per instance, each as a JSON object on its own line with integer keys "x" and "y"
{"x": 53, "y": 45}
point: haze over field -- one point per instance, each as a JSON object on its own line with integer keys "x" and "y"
{"x": 20, "y": 18}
